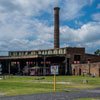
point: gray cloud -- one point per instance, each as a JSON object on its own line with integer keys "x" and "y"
{"x": 8, "y": 6}
{"x": 87, "y": 36}
{"x": 73, "y": 8}
{"x": 87, "y": 33}
{"x": 27, "y": 7}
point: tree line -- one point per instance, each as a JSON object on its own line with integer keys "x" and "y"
{"x": 97, "y": 52}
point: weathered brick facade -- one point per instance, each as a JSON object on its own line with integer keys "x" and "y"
{"x": 84, "y": 58}
{"x": 86, "y": 69}
{"x": 93, "y": 58}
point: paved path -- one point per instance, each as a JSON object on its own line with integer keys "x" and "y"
{"x": 58, "y": 96}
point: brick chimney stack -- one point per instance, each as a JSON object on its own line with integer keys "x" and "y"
{"x": 56, "y": 27}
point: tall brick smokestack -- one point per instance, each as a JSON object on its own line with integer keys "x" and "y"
{"x": 56, "y": 27}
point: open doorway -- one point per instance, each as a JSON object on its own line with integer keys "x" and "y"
{"x": 79, "y": 71}
{"x": 69, "y": 67}
{"x": 74, "y": 73}
{"x": 99, "y": 72}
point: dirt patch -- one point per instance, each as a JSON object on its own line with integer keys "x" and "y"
{"x": 53, "y": 82}
{"x": 2, "y": 94}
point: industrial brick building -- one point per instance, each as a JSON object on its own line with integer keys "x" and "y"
{"x": 38, "y": 62}
{"x": 86, "y": 69}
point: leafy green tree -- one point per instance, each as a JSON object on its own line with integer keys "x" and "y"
{"x": 97, "y": 52}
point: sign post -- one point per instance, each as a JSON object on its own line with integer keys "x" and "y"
{"x": 54, "y": 82}
{"x": 54, "y": 71}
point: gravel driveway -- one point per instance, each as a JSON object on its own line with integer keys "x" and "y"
{"x": 57, "y": 96}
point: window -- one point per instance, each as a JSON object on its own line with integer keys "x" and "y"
{"x": 62, "y": 51}
{"x": 43, "y": 52}
{"x": 76, "y": 57}
{"x": 20, "y": 53}
{"x": 11, "y": 53}
{"x": 36, "y": 52}
{"x": 17, "y": 53}
{"x": 89, "y": 59}
{"x": 29, "y": 53}
{"x": 57, "y": 51}
{"x": 46, "y": 52}
{"x": 39, "y": 52}
{"x": 14, "y": 54}
{"x": 24, "y": 53}
{"x": 52, "y": 51}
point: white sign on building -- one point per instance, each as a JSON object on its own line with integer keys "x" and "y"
{"x": 54, "y": 69}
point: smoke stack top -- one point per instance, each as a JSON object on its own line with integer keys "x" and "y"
{"x": 56, "y": 8}
{"x": 56, "y": 27}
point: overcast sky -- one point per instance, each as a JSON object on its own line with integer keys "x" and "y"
{"x": 29, "y": 24}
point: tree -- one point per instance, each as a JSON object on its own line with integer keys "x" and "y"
{"x": 97, "y": 52}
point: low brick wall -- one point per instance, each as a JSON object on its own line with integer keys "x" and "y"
{"x": 86, "y": 69}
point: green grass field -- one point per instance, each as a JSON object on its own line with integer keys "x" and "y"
{"x": 28, "y": 85}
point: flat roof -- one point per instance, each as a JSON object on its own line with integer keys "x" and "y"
{"x": 17, "y": 57}
{"x": 48, "y": 49}
{"x": 29, "y": 57}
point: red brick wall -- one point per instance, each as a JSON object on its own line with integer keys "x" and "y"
{"x": 83, "y": 57}
{"x": 94, "y": 68}
{"x": 75, "y": 50}
{"x": 94, "y": 58}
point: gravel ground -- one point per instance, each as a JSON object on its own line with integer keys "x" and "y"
{"x": 57, "y": 96}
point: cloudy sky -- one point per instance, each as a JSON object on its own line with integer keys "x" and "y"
{"x": 29, "y": 24}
